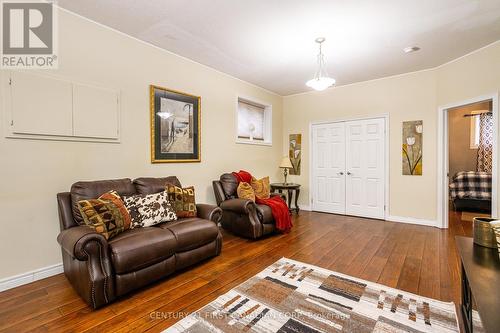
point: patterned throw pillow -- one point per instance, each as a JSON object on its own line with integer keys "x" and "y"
{"x": 115, "y": 198}
{"x": 147, "y": 210}
{"x": 182, "y": 200}
{"x": 245, "y": 191}
{"x": 107, "y": 214}
{"x": 261, "y": 187}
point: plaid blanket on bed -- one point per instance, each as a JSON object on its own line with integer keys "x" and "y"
{"x": 471, "y": 185}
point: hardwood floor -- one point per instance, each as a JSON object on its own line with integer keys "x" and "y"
{"x": 418, "y": 259}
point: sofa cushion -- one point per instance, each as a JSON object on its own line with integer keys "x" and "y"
{"x": 191, "y": 232}
{"x": 148, "y": 185}
{"x": 229, "y": 185}
{"x": 149, "y": 209}
{"x": 93, "y": 189}
{"x": 182, "y": 200}
{"x": 138, "y": 248}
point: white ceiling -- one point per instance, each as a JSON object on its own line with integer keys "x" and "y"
{"x": 271, "y": 42}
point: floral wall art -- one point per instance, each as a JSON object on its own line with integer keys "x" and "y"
{"x": 412, "y": 147}
{"x": 295, "y": 152}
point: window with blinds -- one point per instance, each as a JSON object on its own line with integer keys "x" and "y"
{"x": 254, "y": 122}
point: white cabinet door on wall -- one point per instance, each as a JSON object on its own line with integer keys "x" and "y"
{"x": 40, "y": 105}
{"x": 95, "y": 112}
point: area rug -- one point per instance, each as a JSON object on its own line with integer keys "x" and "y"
{"x": 291, "y": 296}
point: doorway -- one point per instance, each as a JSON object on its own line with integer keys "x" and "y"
{"x": 467, "y": 161}
{"x": 348, "y": 174}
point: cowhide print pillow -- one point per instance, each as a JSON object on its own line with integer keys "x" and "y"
{"x": 147, "y": 210}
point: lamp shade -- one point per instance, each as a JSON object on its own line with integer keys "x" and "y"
{"x": 286, "y": 163}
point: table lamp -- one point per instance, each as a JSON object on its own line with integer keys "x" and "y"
{"x": 285, "y": 165}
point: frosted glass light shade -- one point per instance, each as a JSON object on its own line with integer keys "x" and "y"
{"x": 320, "y": 83}
{"x": 321, "y": 79}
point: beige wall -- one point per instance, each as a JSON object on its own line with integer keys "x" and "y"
{"x": 461, "y": 156}
{"x": 411, "y": 96}
{"x": 34, "y": 171}
{"x": 469, "y": 77}
{"x": 408, "y": 97}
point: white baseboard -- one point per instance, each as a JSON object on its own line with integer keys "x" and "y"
{"x": 306, "y": 208}
{"x": 25, "y": 278}
{"x": 411, "y": 220}
{"x": 402, "y": 219}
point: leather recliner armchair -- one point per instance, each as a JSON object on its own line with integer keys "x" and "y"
{"x": 101, "y": 270}
{"x": 242, "y": 217}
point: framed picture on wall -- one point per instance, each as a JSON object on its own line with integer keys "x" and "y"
{"x": 412, "y": 147}
{"x": 175, "y": 126}
{"x": 295, "y": 152}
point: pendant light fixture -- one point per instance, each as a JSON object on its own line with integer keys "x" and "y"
{"x": 321, "y": 80}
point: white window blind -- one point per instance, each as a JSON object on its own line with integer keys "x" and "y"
{"x": 251, "y": 120}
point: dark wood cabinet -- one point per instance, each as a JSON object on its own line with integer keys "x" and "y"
{"x": 480, "y": 284}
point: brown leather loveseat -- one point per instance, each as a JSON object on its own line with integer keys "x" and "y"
{"x": 101, "y": 270}
{"x": 242, "y": 217}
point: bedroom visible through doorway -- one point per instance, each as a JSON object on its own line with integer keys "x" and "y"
{"x": 471, "y": 133}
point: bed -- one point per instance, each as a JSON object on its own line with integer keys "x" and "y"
{"x": 471, "y": 191}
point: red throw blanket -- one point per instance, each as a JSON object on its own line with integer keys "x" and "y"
{"x": 279, "y": 209}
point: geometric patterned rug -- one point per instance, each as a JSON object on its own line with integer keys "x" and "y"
{"x": 291, "y": 296}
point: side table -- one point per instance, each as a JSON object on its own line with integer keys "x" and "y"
{"x": 290, "y": 188}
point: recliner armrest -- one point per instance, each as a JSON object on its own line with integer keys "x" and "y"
{"x": 242, "y": 206}
{"x": 74, "y": 240}
{"x": 209, "y": 212}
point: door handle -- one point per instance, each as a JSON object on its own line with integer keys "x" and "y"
{"x": 341, "y": 173}
{"x": 349, "y": 173}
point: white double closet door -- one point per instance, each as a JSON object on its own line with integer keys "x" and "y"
{"x": 348, "y": 167}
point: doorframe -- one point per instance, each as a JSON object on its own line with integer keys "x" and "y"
{"x": 443, "y": 158}
{"x": 384, "y": 116}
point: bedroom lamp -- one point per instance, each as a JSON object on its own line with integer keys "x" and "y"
{"x": 285, "y": 165}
